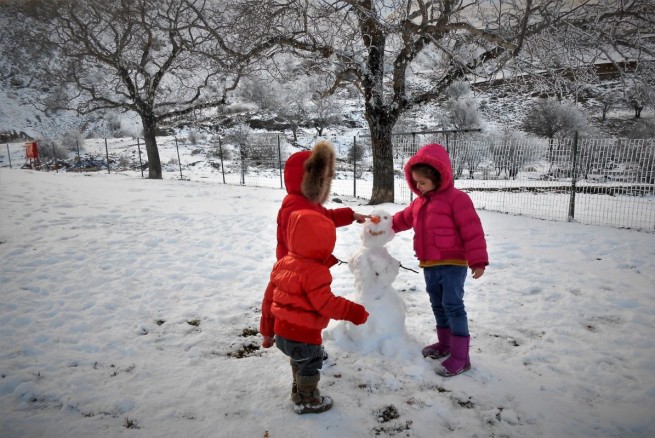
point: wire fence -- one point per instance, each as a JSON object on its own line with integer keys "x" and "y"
{"x": 593, "y": 181}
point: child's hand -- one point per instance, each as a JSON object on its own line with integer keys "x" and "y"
{"x": 268, "y": 341}
{"x": 357, "y": 314}
{"x": 477, "y": 272}
{"x": 360, "y": 218}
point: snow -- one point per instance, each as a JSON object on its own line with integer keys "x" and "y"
{"x": 374, "y": 271}
{"x": 129, "y": 308}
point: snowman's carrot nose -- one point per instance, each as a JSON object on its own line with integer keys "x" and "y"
{"x": 375, "y": 219}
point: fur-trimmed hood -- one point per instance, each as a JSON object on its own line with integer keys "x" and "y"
{"x": 309, "y": 173}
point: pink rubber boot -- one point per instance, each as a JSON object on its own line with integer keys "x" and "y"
{"x": 459, "y": 361}
{"x": 442, "y": 347}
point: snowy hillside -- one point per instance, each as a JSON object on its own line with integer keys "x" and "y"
{"x": 498, "y": 109}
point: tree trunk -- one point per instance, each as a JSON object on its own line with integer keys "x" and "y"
{"x": 294, "y": 130}
{"x": 380, "y": 118}
{"x": 154, "y": 163}
{"x": 383, "y": 179}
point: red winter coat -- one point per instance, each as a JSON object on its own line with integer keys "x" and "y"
{"x": 446, "y": 225}
{"x": 307, "y": 177}
{"x": 303, "y": 303}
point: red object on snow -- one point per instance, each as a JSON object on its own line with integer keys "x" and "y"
{"x": 31, "y": 150}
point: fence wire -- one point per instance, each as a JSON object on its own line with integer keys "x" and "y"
{"x": 593, "y": 181}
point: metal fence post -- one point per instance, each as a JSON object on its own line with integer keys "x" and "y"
{"x": 138, "y": 146}
{"x": 574, "y": 174}
{"x": 9, "y": 155}
{"x": 242, "y": 164}
{"x": 354, "y": 166}
{"x": 179, "y": 162}
{"x": 107, "y": 154}
{"x": 220, "y": 152}
{"x": 77, "y": 146}
{"x": 279, "y": 160}
{"x": 54, "y": 158}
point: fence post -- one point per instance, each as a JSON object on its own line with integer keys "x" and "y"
{"x": 242, "y": 165}
{"x": 107, "y": 153}
{"x": 413, "y": 151}
{"x": 179, "y": 163}
{"x": 220, "y": 151}
{"x": 138, "y": 146}
{"x": 354, "y": 166}
{"x": 574, "y": 174}
{"x": 279, "y": 160}
{"x": 9, "y": 155}
{"x": 54, "y": 157}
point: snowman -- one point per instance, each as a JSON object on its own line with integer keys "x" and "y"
{"x": 375, "y": 270}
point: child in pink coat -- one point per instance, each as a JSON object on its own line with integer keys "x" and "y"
{"x": 448, "y": 239}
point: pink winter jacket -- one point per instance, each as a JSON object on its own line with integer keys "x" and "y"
{"x": 446, "y": 225}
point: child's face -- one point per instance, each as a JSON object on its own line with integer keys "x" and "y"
{"x": 423, "y": 183}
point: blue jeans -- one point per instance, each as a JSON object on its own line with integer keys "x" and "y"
{"x": 308, "y": 357}
{"x": 445, "y": 286}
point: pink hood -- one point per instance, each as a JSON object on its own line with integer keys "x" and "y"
{"x": 436, "y": 156}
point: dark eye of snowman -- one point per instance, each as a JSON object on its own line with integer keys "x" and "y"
{"x": 375, "y": 233}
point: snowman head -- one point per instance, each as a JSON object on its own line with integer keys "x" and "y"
{"x": 377, "y": 231}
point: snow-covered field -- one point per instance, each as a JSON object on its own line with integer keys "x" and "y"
{"x": 129, "y": 307}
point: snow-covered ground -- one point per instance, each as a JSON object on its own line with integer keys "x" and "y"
{"x": 129, "y": 307}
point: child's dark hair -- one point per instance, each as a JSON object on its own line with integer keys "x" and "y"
{"x": 429, "y": 172}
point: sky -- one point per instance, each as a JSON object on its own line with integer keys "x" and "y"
{"x": 130, "y": 307}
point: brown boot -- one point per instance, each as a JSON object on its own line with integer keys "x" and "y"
{"x": 294, "y": 386}
{"x": 311, "y": 401}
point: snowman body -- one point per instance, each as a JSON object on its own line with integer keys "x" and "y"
{"x": 375, "y": 270}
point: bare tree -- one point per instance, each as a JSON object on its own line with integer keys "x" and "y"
{"x": 293, "y": 106}
{"x": 475, "y": 153}
{"x": 463, "y": 114}
{"x": 240, "y": 136}
{"x": 510, "y": 152}
{"x": 404, "y": 53}
{"x": 608, "y": 100}
{"x": 550, "y": 118}
{"x": 149, "y": 57}
{"x": 640, "y": 95}
{"x": 323, "y": 112}
{"x": 261, "y": 91}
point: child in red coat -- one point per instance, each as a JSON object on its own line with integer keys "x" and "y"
{"x": 308, "y": 178}
{"x": 448, "y": 238}
{"x": 303, "y": 304}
